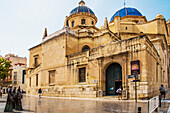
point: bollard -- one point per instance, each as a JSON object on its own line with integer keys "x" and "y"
{"x": 139, "y": 109}
{"x": 159, "y": 100}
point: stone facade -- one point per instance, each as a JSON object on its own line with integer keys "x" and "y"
{"x": 19, "y": 76}
{"x": 76, "y": 61}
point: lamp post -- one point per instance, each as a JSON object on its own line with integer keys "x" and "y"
{"x": 135, "y": 88}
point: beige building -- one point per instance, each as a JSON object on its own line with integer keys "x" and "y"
{"x": 19, "y": 76}
{"x": 9, "y": 81}
{"x": 82, "y": 60}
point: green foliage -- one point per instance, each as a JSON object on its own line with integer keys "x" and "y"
{"x": 4, "y": 68}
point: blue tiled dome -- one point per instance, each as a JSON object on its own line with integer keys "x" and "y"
{"x": 81, "y": 9}
{"x": 126, "y": 11}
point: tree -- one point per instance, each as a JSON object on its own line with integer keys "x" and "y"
{"x": 4, "y": 68}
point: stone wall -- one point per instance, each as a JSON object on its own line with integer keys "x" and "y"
{"x": 88, "y": 91}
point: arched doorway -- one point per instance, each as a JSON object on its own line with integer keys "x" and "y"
{"x": 113, "y": 78}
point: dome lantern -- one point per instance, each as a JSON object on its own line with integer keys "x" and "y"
{"x": 81, "y": 3}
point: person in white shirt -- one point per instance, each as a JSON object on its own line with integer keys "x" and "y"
{"x": 119, "y": 91}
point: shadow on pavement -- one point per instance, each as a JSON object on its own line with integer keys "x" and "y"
{"x": 24, "y": 110}
{"x": 2, "y": 101}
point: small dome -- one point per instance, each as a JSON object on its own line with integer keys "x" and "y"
{"x": 159, "y": 16}
{"x": 81, "y": 8}
{"x": 126, "y": 11}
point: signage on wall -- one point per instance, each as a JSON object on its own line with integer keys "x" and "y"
{"x": 135, "y": 67}
{"x": 132, "y": 76}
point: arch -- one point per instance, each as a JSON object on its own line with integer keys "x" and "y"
{"x": 92, "y": 22}
{"x": 85, "y": 48}
{"x": 113, "y": 78}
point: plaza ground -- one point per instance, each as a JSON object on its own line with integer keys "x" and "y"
{"x": 32, "y": 104}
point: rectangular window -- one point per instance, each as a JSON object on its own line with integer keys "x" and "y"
{"x": 72, "y": 23}
{"x": 15, "y": 77}
{"x": 164, "y": 76}
{"x": 157, "y": 72}
{"x": 36, "y": 61}
{"x": 23, "y": 76}
{"x": 52, "y": 77}
{"x": 10, "y": 74}
{"x": 30, "y": 81}
{"x": 161, "y": 75}
{"x": 82, "y": 74}
{"x": 83, "y": 21}
{"x": 36, "y": 79}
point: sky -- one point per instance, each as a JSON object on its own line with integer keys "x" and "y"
{"x": 22, "y": 22}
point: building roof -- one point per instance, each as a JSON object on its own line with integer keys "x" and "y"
{"x": 125, "y": 12}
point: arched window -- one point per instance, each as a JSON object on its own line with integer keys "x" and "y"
{"x": 83, "y": 21}
{"x": 92, "y": 22}
{"x": 85, "y": 48}
{"x": 72, "y": 23}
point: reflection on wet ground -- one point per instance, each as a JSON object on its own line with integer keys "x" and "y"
{"x": 56, "y": 105}
{"x": 32, "y": 104}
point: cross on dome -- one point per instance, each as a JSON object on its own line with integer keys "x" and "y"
{"x": 124, "y": 3}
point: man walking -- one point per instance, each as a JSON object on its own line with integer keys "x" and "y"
{"x": 39, "y": 92}
{"x": 119, "y": 91}
{"x": 162, "y": 91}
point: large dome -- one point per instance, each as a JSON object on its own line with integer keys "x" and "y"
{"x": 126, "y": 11}
{"x": 81, "y": 9}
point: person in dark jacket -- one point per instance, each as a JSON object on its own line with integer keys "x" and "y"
{"x": 162, "y": 91}
{"x": 9, "y": 103}
{"x": 39, "y": 92}
{"x": 18, "y": 97}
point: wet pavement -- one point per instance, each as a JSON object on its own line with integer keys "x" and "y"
{"x": 32, "y": 104}
{"x": 57, "y": 105}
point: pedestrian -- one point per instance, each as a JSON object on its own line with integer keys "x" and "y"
{"x": 9, "y": 103}
{"x": 22, "y": 91}
{"x": 39, "y": 92}
{"x": 18, "y": 97}
{"x": 9, "y": 89}
{"x": 6, "y": 90}
{"x": 14, "y": 92}
{"x": 162, "y": 91}
{"x": 1, "y": 93}
{"x": 119, "y": 91}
